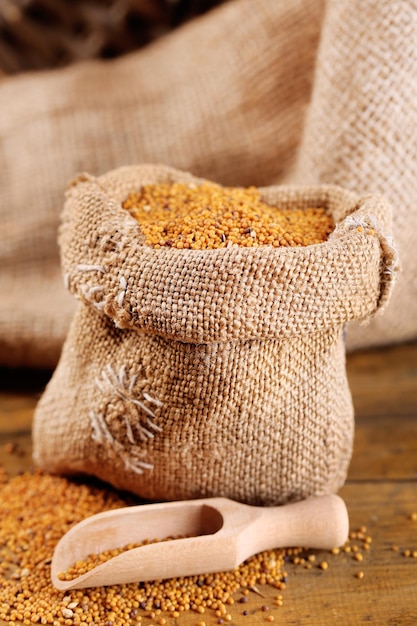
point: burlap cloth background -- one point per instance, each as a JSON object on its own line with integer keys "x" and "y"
{"x": 254, "y": 92}
{"x": 209, "y": 372}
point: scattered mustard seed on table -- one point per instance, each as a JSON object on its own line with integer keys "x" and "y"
{"x": 209, "y": 216}
{"x": 38, "y": 508}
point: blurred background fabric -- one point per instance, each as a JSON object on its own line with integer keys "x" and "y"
{"x": 45, "y": 34}
{"x": 243, "y": 92}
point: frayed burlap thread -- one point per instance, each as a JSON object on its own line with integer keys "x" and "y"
{"x": 198, "y": 373}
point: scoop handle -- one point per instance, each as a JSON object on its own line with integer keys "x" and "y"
{"x": 320, "y": 522}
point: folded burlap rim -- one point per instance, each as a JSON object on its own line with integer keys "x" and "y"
{"x": 233, "y": 293}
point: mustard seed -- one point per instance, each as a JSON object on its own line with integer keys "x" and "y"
{"x": 26, "y": 592}
{"x": 209, "y": 216}
{"x": 56, "y": 504}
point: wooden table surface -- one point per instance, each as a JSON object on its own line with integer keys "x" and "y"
{"x": 380, "y": 493}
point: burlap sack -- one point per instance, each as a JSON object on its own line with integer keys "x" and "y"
{"x": 197, "y": 373}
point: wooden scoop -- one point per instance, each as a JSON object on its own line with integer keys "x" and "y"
{"x": 221, "y": 534}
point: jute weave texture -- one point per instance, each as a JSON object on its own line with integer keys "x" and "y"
{"x": 194, "y": 373}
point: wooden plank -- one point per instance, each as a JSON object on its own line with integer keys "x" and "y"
{"x": 385, "y": 448}
{"x": 383, "y": 381}
{"x": 388, "y": 592}
{"x": 16, "y": 413}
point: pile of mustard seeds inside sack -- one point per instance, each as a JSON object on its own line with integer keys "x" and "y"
{"x": 37, "y": 509}
{"x": 208, "y": 216}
